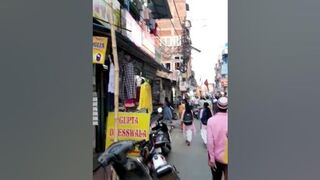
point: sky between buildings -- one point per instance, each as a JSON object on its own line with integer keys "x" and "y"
{"x": 209, "y": 33}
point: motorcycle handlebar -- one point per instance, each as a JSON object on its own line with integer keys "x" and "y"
{"x": 139, "y": 142}
{"x": 154, "y": 132}
{"x": 105, "y": 159}
{"x": 109, "y": 159}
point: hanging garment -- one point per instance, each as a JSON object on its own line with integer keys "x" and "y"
{"x": 130, "y": 103}
{"x": 111, "y": 78}
{"x": 145, "y": 97}
{"x": 149, "y": 99}
{"x": 127, "y": 82}
{"x": 138, "y": 93}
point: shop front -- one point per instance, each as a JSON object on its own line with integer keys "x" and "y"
{"x": 167, "y": 87}
{"x": 137, "y": 71}
{"x": 133, "y": 61}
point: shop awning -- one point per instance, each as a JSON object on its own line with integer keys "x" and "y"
{"x": 128, "y": 46}
{"x": 164, "y": 75}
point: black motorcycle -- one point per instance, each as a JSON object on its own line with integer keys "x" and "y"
{"x": 160, "y": 133}
{"x": 130, "y": 168}
{"x": 160, "y": 168}
{"x": 127, "y": 168}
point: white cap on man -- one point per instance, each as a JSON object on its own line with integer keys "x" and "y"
{"x": 223, "y": 103}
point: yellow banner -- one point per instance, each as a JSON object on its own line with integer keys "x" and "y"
{"x": 131, "y": 126}
{"x": 99, "y": 49}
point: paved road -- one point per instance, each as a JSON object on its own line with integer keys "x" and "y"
{"x": 191, "y": 161}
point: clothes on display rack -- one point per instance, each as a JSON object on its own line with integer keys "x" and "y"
{"x": 111, "y": 77}
{"x": 130, "y": 103}
{"x": 138, "y": 93}
{"x": 109, "y": 86}
{"x": 127, "y": 82}
{"x": 145, "y": 101}
{"x": 139, "y": 82}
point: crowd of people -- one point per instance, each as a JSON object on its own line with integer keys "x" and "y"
{"x": 214, "y": 130}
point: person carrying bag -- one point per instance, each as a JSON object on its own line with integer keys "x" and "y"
{"x": 205, "y": 115}
{"x": 188, "y": 124}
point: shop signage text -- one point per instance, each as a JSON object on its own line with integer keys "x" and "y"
{"x": 131, "y": 126}
{"x": 99, "y": 49}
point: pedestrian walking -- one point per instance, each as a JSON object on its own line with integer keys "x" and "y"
{"x": 188, "y": 123}
{"x": 168, "y": 102}
{"x": 167, "y": 112}
{"x": 181, "y": 109}
{"x": 205, "y": 114}
{"x": 214, "y": 104}
{"x": 217, "y": 145}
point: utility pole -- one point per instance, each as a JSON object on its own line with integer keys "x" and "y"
{"x": 116, "y": 70}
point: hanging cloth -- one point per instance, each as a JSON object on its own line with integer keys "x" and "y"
{"x": 111, "y": 78}
{"x": 127, "y": 85}
{"x": 145, "y": 97}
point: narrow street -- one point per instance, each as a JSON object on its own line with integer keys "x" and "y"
{"x": 152, "y": 55}
{"x": 190, "y": 161}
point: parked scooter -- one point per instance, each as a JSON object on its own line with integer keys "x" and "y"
{"x": 129, "y": 168}
{"x": 160, "y": 168}
{"x": 160, "y": 134}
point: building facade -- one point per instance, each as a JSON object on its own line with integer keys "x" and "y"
{"x": 175, "y": 45}
{"x": 137, "y": 45}
{"x": 221, "y": 69}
